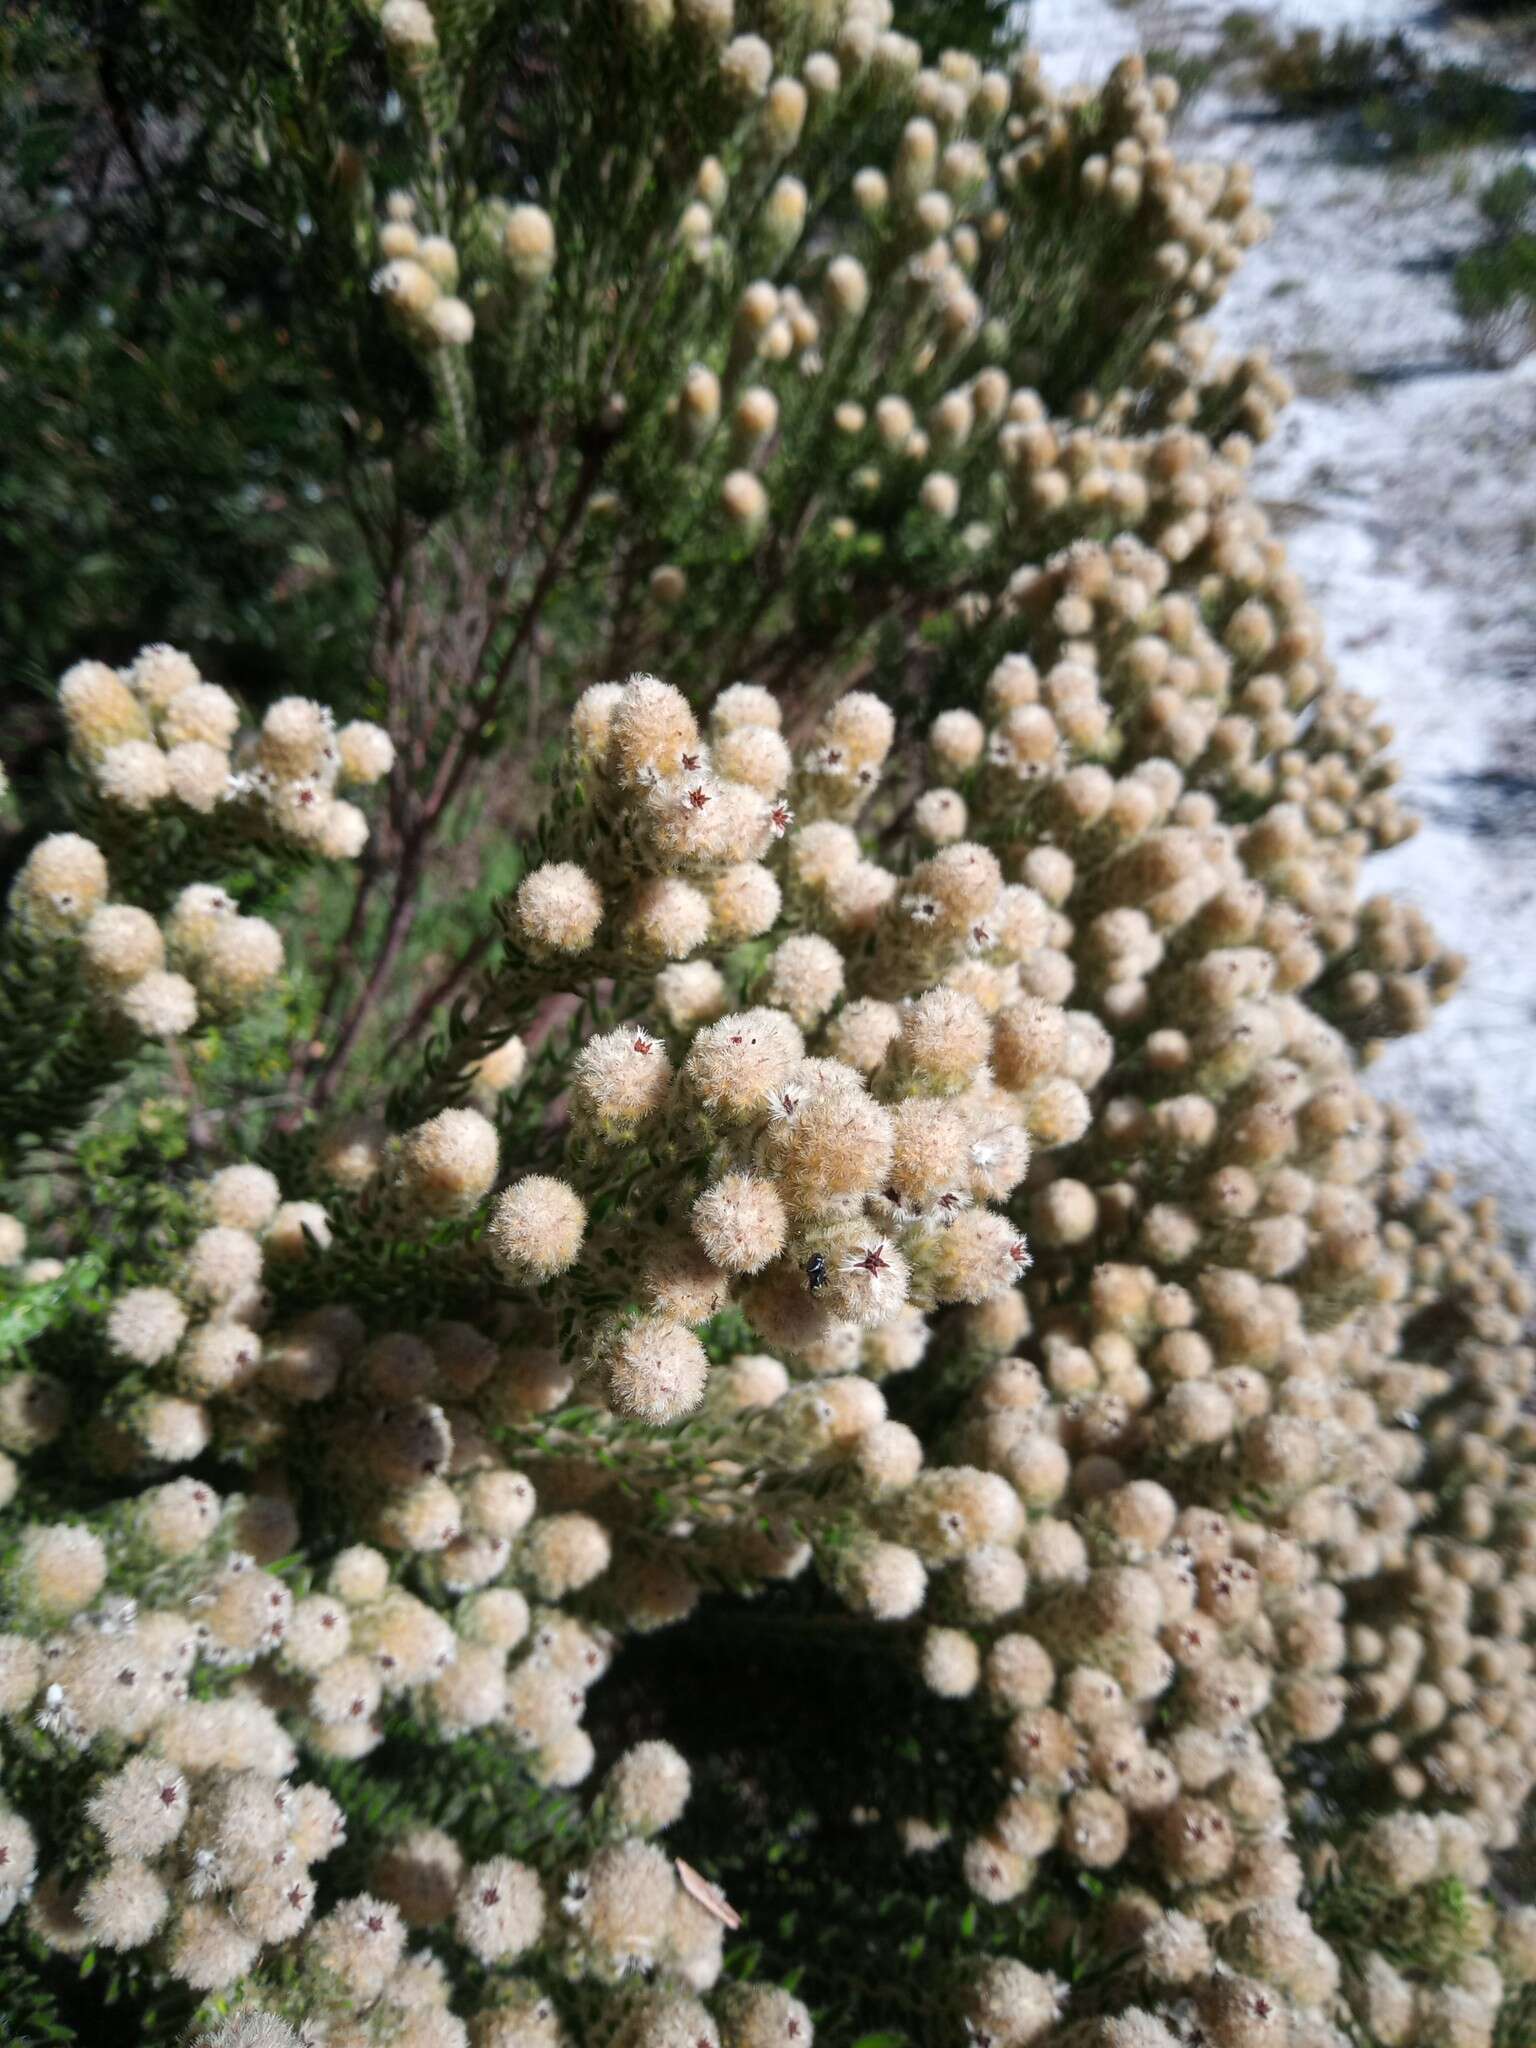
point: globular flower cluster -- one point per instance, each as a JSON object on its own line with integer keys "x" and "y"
{"x": 417, "y": 279}
{"x": 157, "y": 737}
{"x": 956, "y": 1191}
{"x": 835, "y": 1163}
{"x": 870, "y": 315}
{"x": 201, "y": 958}
{"x": 1185, "y": 1527}
{"x": 153, "y": 740}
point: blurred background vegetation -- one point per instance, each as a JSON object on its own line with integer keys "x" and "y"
{"x": 171, "y": 386}
{"x": 168, "y": 396}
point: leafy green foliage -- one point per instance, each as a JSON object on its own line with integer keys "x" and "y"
{"x": 771, "y": 1705}
{"x": 176, "y": 328}
{"x": 167, "y": 472}
{"x": 1409, "y": 107}
{"x": 97, "y": 2000}
{"x": 60, "y": 1057}
{"x": 1496, "y": 282}
{"x": 29, "y": 2013}
{"x": 172, "y": 445}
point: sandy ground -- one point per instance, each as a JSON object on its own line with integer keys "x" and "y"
{"x": 1404, "y": 480}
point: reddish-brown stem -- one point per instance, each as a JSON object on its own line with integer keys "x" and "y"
{"x": 477, "y": 715}
{"x": 511, "y": 546}
{"x": 391, "y": 631}
{"x": 447, "y": 985}
{"x": 345, "y": 958}
{"x": 199, "y": 1137}
{"x": 453, "y": 769}
{"x": 402, "y": 914}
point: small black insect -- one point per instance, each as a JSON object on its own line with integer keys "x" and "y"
{"x": 816, "y": 1271}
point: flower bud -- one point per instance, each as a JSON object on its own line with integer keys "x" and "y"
{"x": 448, "y": 1164}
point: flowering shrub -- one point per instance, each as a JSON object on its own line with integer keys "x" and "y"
{"x": 904, "y": 1181}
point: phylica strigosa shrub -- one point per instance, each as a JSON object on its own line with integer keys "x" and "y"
{"x": 916, "y": 1163}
